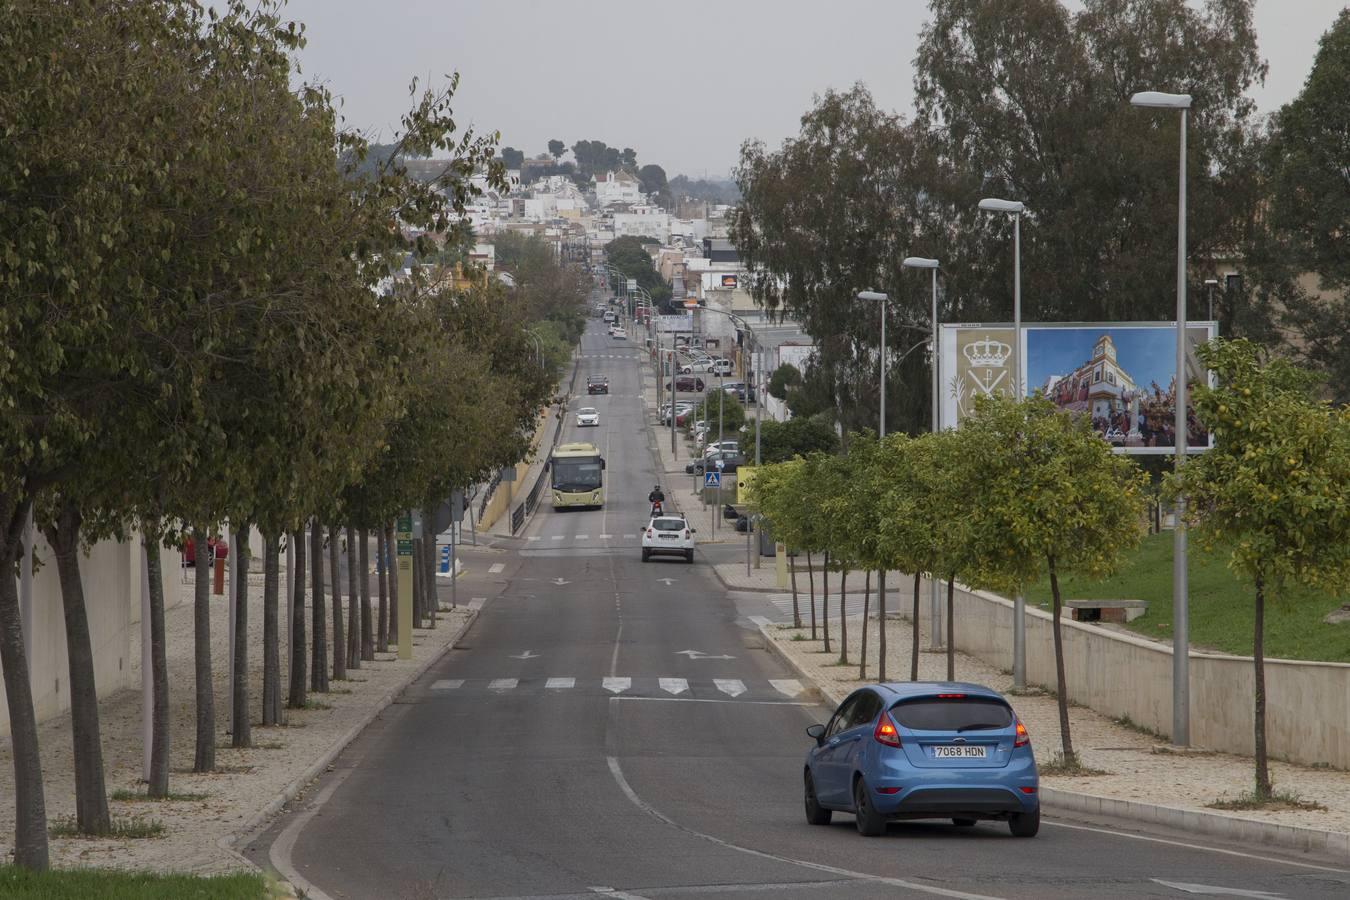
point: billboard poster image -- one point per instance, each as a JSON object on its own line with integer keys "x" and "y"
{"x": 1120, "y": 375}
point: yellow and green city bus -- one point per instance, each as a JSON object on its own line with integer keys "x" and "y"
{"x": 578, "y": 476}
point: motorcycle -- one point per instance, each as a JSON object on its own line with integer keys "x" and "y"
{"x": 657, "y": 509}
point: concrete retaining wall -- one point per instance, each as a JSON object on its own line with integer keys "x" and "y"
{"x": 1307, "y": 710}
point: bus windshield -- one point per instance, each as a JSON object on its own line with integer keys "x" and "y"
{"x": 580, "y": 474}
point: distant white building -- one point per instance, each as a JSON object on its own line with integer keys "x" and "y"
{"x": 614, "y": 188}
{"x": 643, "y": 221}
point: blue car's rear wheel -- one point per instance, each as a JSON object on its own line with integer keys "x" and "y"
{"x": 1025, "y": 824}
{"x": 815, "y": 813}
{"x": 870, "y": 822}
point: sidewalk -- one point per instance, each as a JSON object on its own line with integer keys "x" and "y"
{"x": 250, "y": 784}
{"x": 1143, "y": 777}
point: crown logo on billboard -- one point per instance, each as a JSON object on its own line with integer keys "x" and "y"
{"x": 987, "y": 353}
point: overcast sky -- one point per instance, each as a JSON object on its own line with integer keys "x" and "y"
{"x": 683, "y": 82}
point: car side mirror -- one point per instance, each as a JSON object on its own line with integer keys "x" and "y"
{"x": 817, "y": 731}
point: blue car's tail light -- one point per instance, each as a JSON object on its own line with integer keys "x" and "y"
{"x": 885, "y": 732}
{"x": 1022, "y": 739}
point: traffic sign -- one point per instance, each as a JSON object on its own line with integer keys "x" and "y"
{"x": 712, "y": 479}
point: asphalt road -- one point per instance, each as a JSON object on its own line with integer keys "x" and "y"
{"x": 575, "y": 747}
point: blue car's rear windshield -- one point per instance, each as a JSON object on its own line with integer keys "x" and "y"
{"x": 952, "y": 714}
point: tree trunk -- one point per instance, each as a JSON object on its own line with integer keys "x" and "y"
{"x": 867, "y": 608}
{"x": 429, "y": 565}
{"x": 811, "y": 580}
{"x": 353, "y": 604}
{"x": 843, "y": 618}
{"x": 295, "y": 697}
{"x": 335, "y": 576}
{"x": 367, "y": 626}
{"x": 796, "y": 608}
{"x": 30, "y": 807}
{"x": 271, "y": 686}
{"x": 318, "y": 659}
{"x": 1066, "y": 740}
{"x": 825, "y": 604}
{"x": 951, "y": 625}
{"x": 159, "y": 671}
{"x": 391, "y": 573}
{"x": 881, "y": 630}
{"x": 91, "y": 793}
{"x": 204, "y": 755}
{"x": 914, "y": 636}
{"x": 1259, "y": 674}
{"x": 382, "y": 567}
{"x": 241, "y": 728}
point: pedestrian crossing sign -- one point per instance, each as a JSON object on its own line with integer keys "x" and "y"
{"x": 712, "y": 479}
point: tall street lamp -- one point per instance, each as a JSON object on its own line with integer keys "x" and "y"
{"x": 1015, "y": 208}
{"x": 934, "y": 591}
{"x": 882, "y": 299}
{"x": 1181, "y": 649}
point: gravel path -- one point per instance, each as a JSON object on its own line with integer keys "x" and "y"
{"x": 1139, "y": 765}
{"x": 248, "y": 779}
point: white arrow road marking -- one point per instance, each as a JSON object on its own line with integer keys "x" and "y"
{"x": 502, "y": 684}
{"x": 673, "y": 685}
{"x": 730, "y": 686}
{"x": 616, "y": 685}
{"x": 666, "y": 581}
{"x": 559, "y": 582}
{"x": 495, "y": 568}
{"x": 528, "y": 654}
{"x": 447, "y": 684}
{"x": 560, "y": 684}
{"x": 790, "y": 687}
{"x": 477, "y": 602}
{"x": 699, "y": 654}
{"x": 1212, "y": 889}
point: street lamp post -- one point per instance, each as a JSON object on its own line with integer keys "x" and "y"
{"x": 882, "y": 299}
{"x": 1015, "y": 208}
{"x": 1181, "y": 649}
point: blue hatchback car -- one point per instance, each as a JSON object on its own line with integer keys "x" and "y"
{"x": 923, "y": 750}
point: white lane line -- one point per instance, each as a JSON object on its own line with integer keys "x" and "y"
{"x": 560, "y": 684}
{"x": 650, "y": 810}
{"x": 557, "y": 537}
{"x": 534, "y": 537}
{"x": 789, "y": 687}
{"x": 616, "y": 685}
{"x": 502, "y": 684}
{"x": 447, "y": 684}
{"x": 477, "y": 602}
{"x": 495, "y": 568}
{"x": 1158, "y": 840}
{"x": 583, "y": 537}
{"x": 760, "y": 620}
{"x": 730, "y": 686}
{"x": 716, "y": 700}
{"x": 629, "y": 537}
{"x": 613, "y": 892}
{"x": 673, "y": 685}
{"x": 605, "y": 537}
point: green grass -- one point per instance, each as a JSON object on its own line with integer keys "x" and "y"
{"x": 137, "y": 796}
{"x": 122, "y": 829}
{"x": 107, "y": 884}
{"x": 1221, "y": 606}
{"x": 1276, "y": 800}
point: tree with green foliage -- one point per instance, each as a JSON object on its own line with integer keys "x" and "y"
{"x": 774, "y": 492}
{"x": 798, "y": 436}
{"x": 1275, "y": 487}
{"x": 784, "y": 377}
{"x": 556, "y": 148}
{"x": 1309, "y": 210}
{"x": 1050, "y": 497}
{"x": 652, "y": 179}
{"x": 512, "y": 158}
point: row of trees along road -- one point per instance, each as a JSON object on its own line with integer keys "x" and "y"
{"x": 1021, "y": 491}
{"x": 1030, "y": 100}
{"x": 192, "y": 335}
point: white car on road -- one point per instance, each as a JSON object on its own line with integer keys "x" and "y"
{"x": 617, "y": 332}
{"x": 669, "y": 534}
{"x": 587, "y": 415}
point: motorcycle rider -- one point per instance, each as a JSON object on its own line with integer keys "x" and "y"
{"x": 657, "y": 499}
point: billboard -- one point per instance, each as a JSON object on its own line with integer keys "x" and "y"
{"x": 729, "y": 281}
{"x": 1119, "y": 374}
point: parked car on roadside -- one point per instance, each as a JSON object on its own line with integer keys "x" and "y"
{"x": 730, "y": 463}
{"x": 687, "y": 383}
{"x": 923, "y": 750}
{"x": 722, "y": 366}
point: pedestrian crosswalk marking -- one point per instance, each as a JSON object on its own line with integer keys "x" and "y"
{"x": 534, "y": 537}
{"x": 616, "y": 685}
{"x": 477, "y": 602}
{"x": 583, "y": 537}
{"x": 730, "y": 686}
{"x": 560, "y": 684}
{"x": 629, "y": 537}
{"x": 673, "y": 685}
{"x": 447, "y": 684}
{"x": 495, "y": 568}
{"x": 789, "y": 687}
{"x": 502, "y": 684}
{"x": 605, "y": 537}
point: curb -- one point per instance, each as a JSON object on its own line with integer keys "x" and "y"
{"x": 249, "y": 828}
{"x": 1239, "y": 830}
